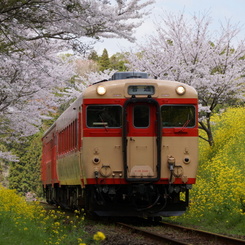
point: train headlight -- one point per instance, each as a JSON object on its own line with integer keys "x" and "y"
{"x": 101, "y": 90}
{"x": 180, "y": 90}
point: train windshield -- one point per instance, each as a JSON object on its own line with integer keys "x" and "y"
{"x": 178, "y": 116}
{"x": 104, "y": 116}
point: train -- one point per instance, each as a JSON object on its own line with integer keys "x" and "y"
{"x": 128, "y": 146}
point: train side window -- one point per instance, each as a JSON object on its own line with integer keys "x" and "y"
{"x": 178, "y": 116}
{"x": 141, "y": 116}
{"x": 104, "y": 116}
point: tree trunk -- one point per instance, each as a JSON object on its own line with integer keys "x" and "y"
{"x": 207, "y": 129}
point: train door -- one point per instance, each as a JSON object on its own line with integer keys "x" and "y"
{"x": 142, "y": 136}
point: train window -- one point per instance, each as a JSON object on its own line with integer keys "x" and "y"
{"x": 104, "y": 116}
{"x": 141, "y": 116}
{"x": 178, "y": 116}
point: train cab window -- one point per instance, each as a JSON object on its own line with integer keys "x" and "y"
{"x": 178, "y": 116}
{"x": 141, "y": 116}
{"x": 99, "y": 116}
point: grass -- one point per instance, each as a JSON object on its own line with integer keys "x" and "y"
{"x": 26, "y": 234}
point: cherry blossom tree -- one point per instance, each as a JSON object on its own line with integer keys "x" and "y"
{"x": 187, "y": 50}
{"x": 84, "y": 80}
{"x": 33, "y": 35}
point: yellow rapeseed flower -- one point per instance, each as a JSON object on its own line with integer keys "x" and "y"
{"x": 220, "y": 183}
{"x": 99, "y": 236}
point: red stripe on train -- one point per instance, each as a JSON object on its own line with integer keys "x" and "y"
{"x": 107, "y": 132}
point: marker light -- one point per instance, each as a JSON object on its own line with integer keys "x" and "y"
{"x": 101, "y": 90}
{"x": 180, "y": 90}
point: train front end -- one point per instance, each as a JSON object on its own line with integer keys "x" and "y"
{"x": 139, "y": 146}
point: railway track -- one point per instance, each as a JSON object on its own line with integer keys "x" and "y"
{"x": 222, "y": 239}
{"x": 160, "y": 239}
{"x": 167, "y": 233}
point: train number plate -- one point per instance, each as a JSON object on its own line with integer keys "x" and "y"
{"x": 141, "y": 90}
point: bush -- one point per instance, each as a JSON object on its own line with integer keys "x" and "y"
{"x": 219, "y": 194}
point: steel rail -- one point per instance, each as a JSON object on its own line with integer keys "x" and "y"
{"x": 216, "y": 237}
{"x": 159, "y": 238}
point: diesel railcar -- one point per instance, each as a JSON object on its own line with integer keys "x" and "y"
{"x": 127, "y": 146}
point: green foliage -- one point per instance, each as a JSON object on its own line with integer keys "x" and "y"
{"x": 104, "y": 61}
{"x": 4, "y": 167}
{"x": 219, "y": 194}
{"x": 118, "y": 61}
{"x": 25, "y": 174}
{"x": 93, "y": 56}
{"x": 115, "y": 62}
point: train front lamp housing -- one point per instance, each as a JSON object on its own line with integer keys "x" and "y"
{"x": 101, "y": 90}
{"x": 180, "y": 90}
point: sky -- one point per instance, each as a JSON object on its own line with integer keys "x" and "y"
{"x": 219, "y": 10}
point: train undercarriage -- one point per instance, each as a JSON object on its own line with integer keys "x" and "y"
{"x": 144, "y": 200}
